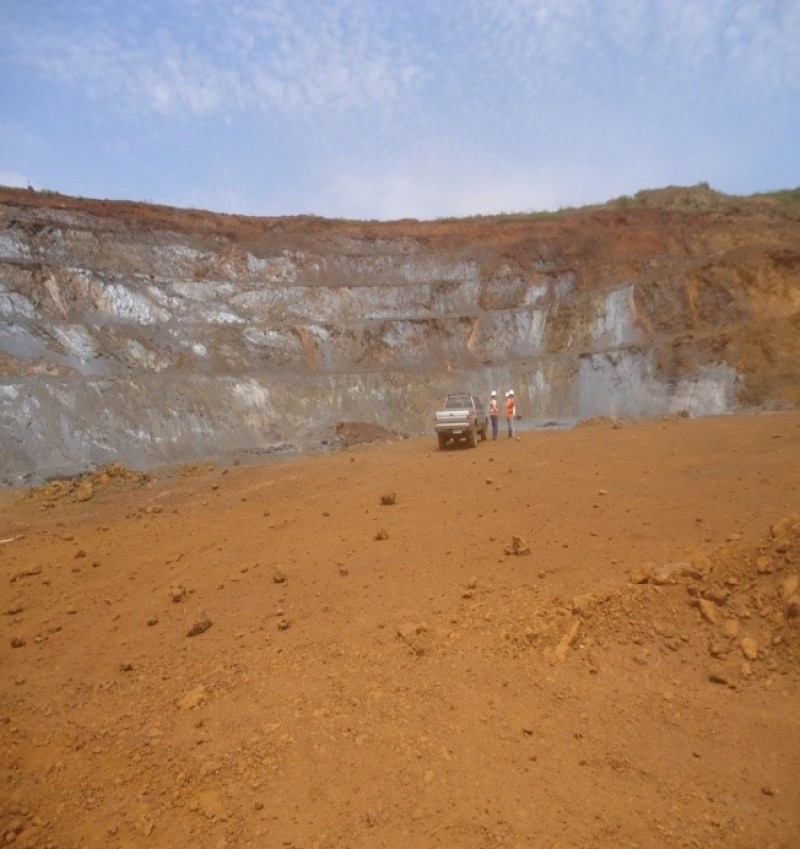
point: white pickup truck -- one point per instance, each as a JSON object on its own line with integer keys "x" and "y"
{"x": 463, "y": 418}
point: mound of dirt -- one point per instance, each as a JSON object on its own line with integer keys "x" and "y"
{"x": 83, "y": 487}
{"x": 741, "y": 606}
{"x": 359, "y": 433}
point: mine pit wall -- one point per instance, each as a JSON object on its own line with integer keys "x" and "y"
{"x": 65, "y": 426}
{"x": 150, "y": 348}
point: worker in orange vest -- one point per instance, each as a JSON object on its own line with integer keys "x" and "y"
{"x": 511, "y": 411}
{"x": 494, "y": 414}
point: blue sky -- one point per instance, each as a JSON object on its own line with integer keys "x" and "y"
{"x": 385, "y": 109}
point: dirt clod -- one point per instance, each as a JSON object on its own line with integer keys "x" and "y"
{"x": 200, "y": 626}
{"x": 518, "y": 547}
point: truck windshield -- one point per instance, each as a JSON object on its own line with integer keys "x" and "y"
{"x": 458, "y": 402}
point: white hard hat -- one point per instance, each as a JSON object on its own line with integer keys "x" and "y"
{"x": 494, "y": 392}
{"x": 510, "y": 391}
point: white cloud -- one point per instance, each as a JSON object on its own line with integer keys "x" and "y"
{"x": 204, "y": 59}
{"x": 11, "y": 178}
{"x": 757, "y": 40}
{"x": 397, "y": 108}
{"x": 251, "y": 56}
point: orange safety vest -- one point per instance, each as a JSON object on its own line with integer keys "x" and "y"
{"x": 493, "y": 407}
{"x": 510, "y": 407}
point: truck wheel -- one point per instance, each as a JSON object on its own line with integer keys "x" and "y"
{"x": 442, "y": 441}
{"x": 472, "y": 438}
{"x": 484, "y": 437}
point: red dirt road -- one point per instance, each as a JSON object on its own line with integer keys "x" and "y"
{"x": 405, "y": 674}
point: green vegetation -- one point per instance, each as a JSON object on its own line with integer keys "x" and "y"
{"x": 790, "y": 197}
{"x": 700, "y": 198}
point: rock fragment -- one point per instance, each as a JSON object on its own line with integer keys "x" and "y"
{"x": 560, "y": 651}
{"x": 84, "y": 491}
{"x": 718, "y": 648}
{"x": 717, "y": 595}
{"x": 708, "y": 610}
{"x": 749, "y": 648}
{"x": 663, "y": 576}
{"x": 518, "y": 547}
{"x": 790, "y": 585}
{"x": 200, "y": 626}
{"x": 642, "y": 574}
{"x": 194, "y": 698}
{"x": 177, "y": 593}
{"x": 701, "y": 563}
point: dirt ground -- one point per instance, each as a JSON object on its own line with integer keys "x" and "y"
{"x": 577, "y": 638}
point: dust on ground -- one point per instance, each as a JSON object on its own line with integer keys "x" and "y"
{"x": 574, "y": 638}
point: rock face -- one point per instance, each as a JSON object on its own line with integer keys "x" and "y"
{"x": 151, "y": 335}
